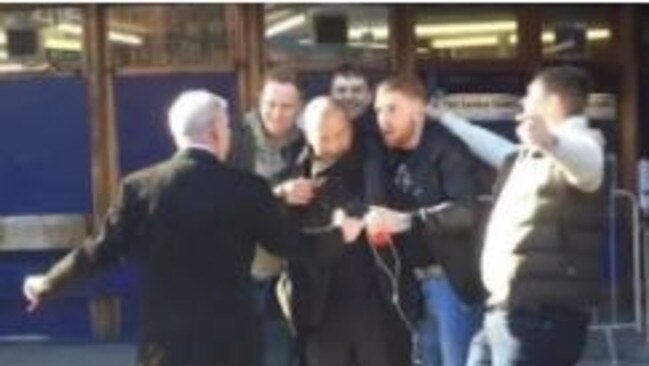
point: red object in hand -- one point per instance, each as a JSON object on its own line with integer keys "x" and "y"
{"x": 380, "y": 239}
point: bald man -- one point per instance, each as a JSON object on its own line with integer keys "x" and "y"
{"x": 342, "y": 308}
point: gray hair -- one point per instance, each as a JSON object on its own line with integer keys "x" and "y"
{"x": 192, "y": 113}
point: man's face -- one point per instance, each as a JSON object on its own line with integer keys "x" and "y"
{"x": 536, "y": 101}
{"x": 279, "y": 104}
{"x": 353, "y": 93}
{"x": 398, "y": 116}
{"x": 332, "y": 137}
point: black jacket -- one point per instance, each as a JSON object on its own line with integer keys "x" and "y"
{"x": 441, "y": 170}
{"x": 193, "y": 223}
{"x": 354, "y": 277}
{"x": 367, "y": 138}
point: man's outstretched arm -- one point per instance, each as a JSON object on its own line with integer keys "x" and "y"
{"x": 488, "y": 146}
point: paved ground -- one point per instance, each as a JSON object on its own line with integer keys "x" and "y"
{"x": 632, "y": 351}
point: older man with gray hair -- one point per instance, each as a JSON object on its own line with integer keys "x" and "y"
{"x": 192, "y": 223}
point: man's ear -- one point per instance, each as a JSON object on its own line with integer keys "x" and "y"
{"x": 214, "y": 133}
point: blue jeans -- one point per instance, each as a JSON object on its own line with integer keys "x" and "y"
{"x": 277, "y": 343}
{"x": 541, "y": 337}
{"x": 445, "y": 333}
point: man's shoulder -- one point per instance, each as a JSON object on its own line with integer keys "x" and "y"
{"x": 248, "y": 118}
{"x": 589, "y": 131}
{"x": 245, "y": 124}
{"x": 441, "y": 138}
{"x": 146, "y": 173}
{"x": 228, "y": 175}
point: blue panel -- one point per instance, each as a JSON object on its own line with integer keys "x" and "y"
{"x": 66, "y": 316}
{"x": 44, "y": 147}
{"x": 142, "y": 103}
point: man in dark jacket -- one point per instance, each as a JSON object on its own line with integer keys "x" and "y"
{"x": 268, "y": 143}
{"x": 339, "y": 307}
{"x": 192, "y": 222}
{"x": 352, "y": 89}
{"x": 428, "y": 166}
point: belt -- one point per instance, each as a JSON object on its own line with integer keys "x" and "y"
{"x": 432, "y": 271}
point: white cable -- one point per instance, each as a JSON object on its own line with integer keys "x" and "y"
{"x": 395, "y": 297}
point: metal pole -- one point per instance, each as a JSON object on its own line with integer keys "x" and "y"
{"x": 612, "y": 238}
{"x": 637, "y": 257}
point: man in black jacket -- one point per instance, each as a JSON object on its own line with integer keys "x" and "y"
{"x": 352, "y": 89}
{"x": 193, "y": 223}
{"x": 268, "y": 143}
{"x": 340, "y": 307}
{"x": 428, "y": 166}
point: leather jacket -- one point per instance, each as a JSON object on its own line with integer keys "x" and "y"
{"x": 440, "y": 182}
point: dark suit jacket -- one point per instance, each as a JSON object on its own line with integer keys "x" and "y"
{"x": 193, "y": 224}
{"x": 322, "y": 285}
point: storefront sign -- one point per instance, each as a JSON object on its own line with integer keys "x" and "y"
{"x": 483, "y": 107}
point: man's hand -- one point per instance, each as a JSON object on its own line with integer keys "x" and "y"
{"x": 386, "y": 221}
{"x": 534, "y": 132}
{"x": 296, "y": 192}
{"x": 34, "y": 288}
{"x": 351, "y": 227}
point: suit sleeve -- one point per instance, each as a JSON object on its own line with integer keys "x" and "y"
{"x": 274, "y": 229}
{"x": 101, "y": 251}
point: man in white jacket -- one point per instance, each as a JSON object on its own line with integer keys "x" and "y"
{"x": 540, "y": 261}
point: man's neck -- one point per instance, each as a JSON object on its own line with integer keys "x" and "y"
{"x": 198, "y": 146}
{"x": 278, "y": 141}
{"x": 361, "y": 114}
{"x": 415, "y": 139}
{"x": 274, "y": 140}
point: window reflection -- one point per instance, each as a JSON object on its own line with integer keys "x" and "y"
{"x": 576, "y": 32}
{"x": 40, "y": 39}
{"x": 308, "y": 34}
{"x": 167, "y": 35}
{"x": 454, "y": 33}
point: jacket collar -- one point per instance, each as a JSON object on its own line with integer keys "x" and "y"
{"x": 198, "y": 154}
